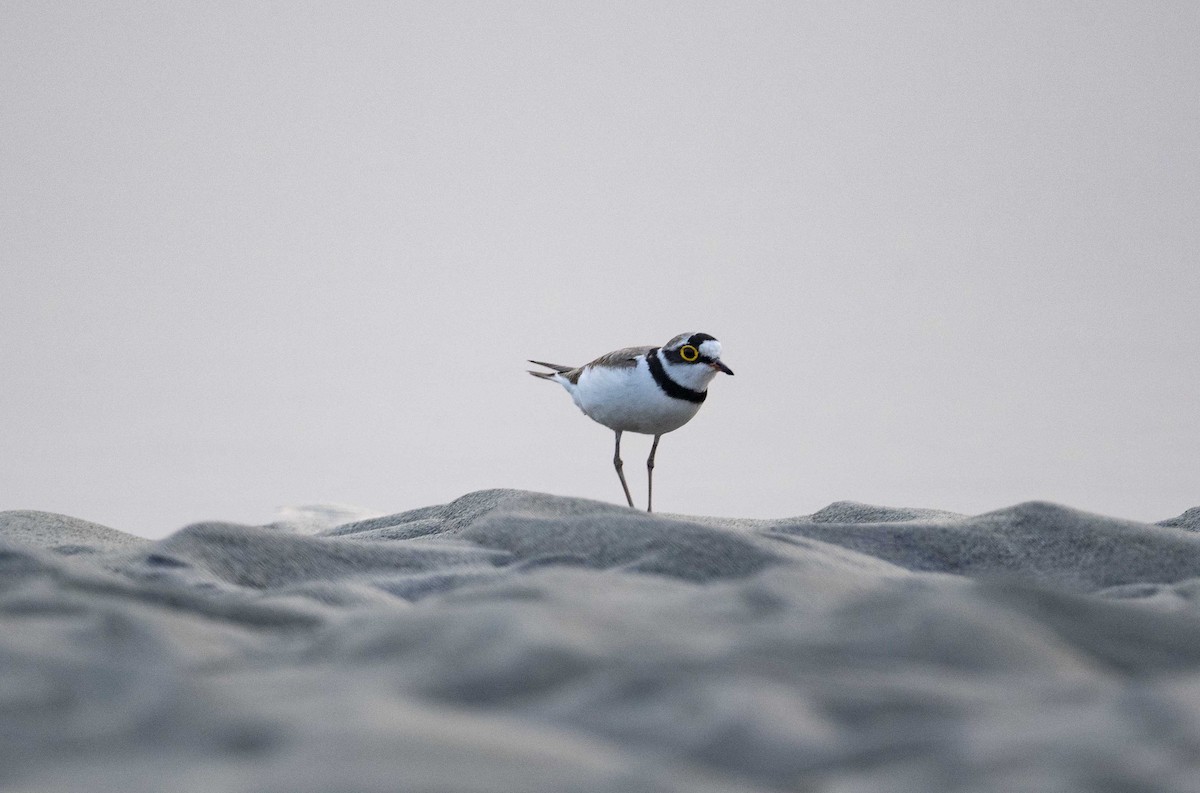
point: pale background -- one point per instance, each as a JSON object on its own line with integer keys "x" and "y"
{"x": 286, "y": 253}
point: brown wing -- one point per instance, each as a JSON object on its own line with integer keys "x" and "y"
{"x": 619, "y": 359}
{"x": 626, "y": 358}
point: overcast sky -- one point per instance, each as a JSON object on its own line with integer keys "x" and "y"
{"x": 269, "y": 254}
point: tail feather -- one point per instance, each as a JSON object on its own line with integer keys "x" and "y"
{"x": 555, "y": 366}
{"x": 558, "y": 369}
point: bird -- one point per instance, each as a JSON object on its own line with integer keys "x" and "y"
{"x": 648, "y": 390}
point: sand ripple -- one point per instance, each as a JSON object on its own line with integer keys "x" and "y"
{"x": 513, "y": 641}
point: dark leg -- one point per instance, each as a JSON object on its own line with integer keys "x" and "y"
{"x": 650, "y": 475}
{"x": 620, "y": 465}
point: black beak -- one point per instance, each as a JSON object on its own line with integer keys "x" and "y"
{"x": 720, "y": 367}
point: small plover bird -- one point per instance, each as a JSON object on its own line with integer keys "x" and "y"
{"x": 650, "y": 390}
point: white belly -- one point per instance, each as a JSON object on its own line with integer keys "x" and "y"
{"x": 629, "y": 400}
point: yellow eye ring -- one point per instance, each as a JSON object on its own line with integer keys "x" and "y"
{"x": 689, "y": 353}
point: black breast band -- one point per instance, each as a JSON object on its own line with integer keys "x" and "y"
{"x": 669, "y": 386}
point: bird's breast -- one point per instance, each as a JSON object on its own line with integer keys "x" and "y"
{"x": 629, "y": 400}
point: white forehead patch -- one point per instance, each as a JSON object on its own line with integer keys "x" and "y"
{"x": 711, "y": 348}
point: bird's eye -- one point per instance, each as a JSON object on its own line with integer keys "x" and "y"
{"x": 688, "y": 353}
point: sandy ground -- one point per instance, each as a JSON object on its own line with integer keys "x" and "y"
{"x": 514, "y": 641}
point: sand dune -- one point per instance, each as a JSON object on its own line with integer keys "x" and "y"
{"x": 513, "y": 641}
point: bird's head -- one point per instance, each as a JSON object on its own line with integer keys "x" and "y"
{"x": 694, "y": 359}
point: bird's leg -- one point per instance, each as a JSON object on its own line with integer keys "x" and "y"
{"x": 650, "y": 475}
{"x": 620, "y": 465}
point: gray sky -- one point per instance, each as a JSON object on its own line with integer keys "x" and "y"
{"x": 271, "y": 254}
